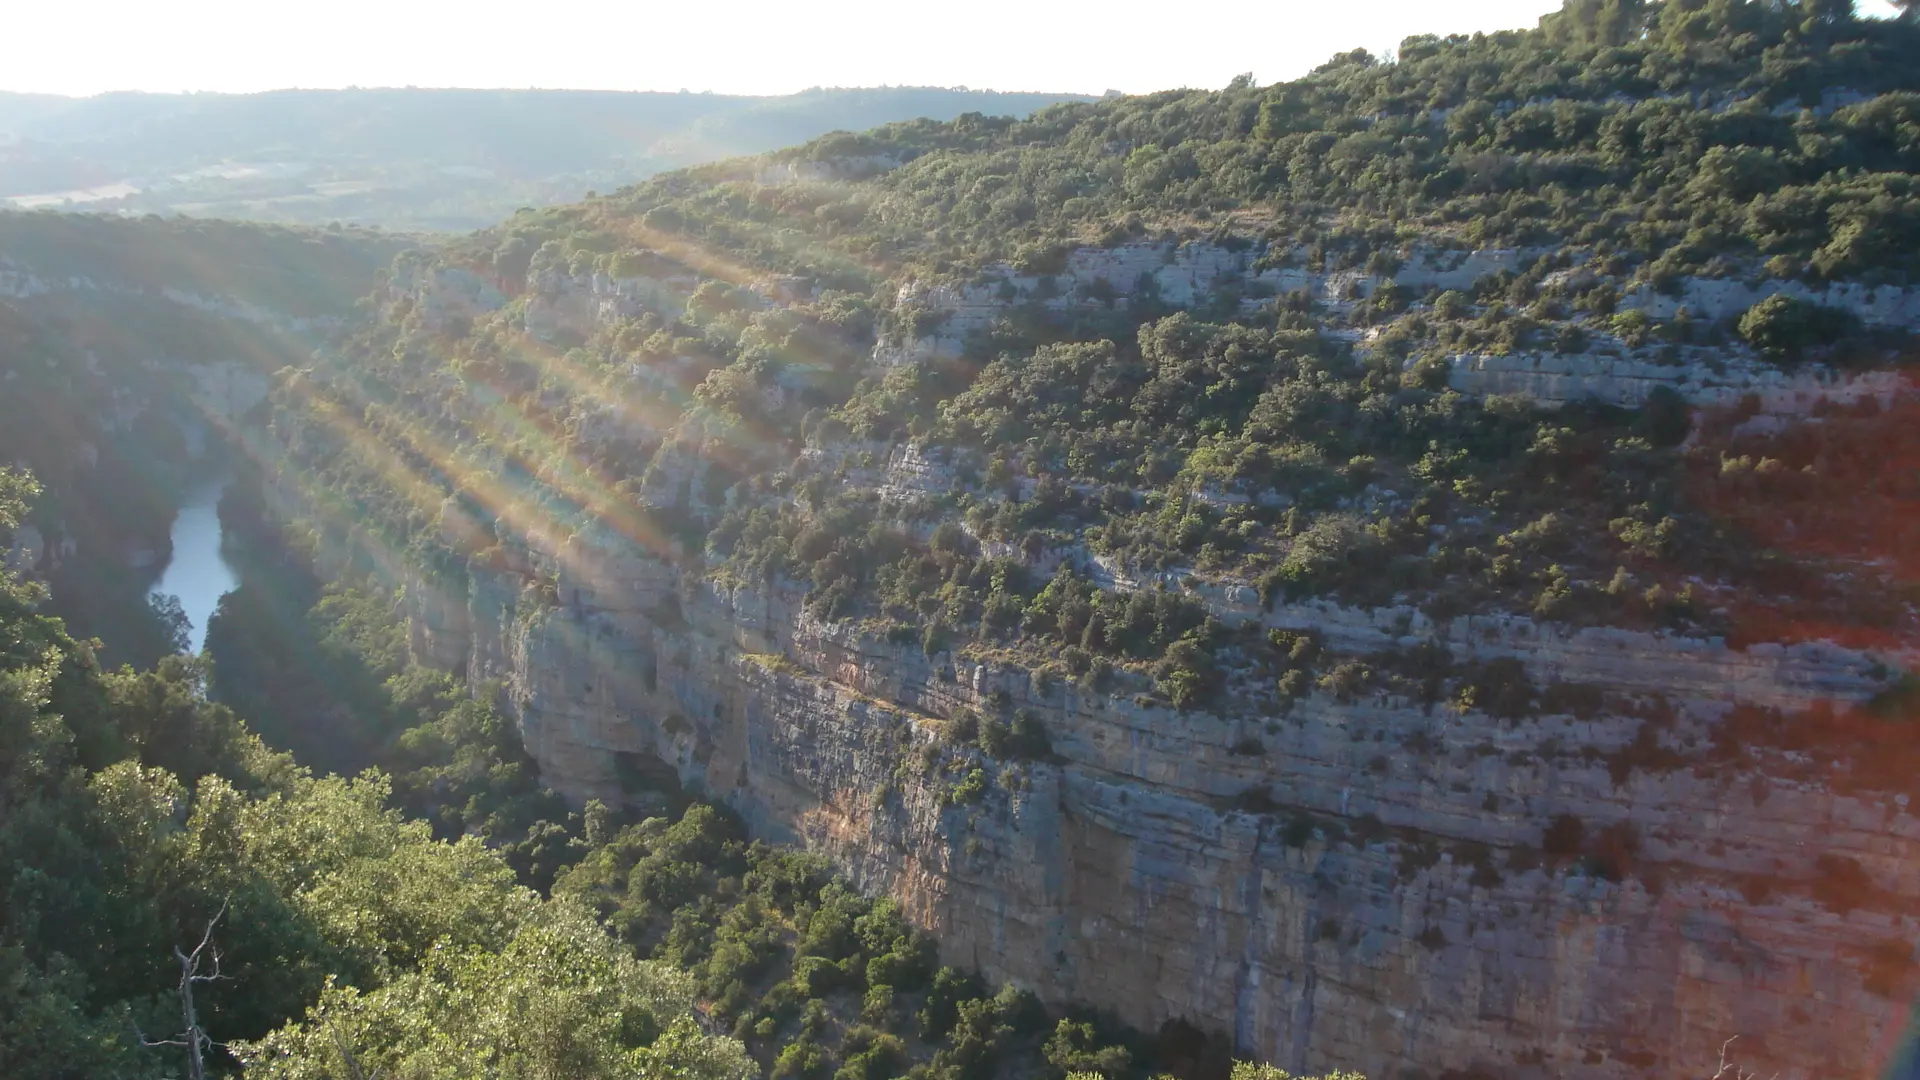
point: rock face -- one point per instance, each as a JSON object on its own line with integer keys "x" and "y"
{"x": 559, "y": 303}
{"x": 442, "y": 295}
{"x": 1186, "y": 276}
{"x": 1353, "y": 883}
{"x": 1412, "y": 890}
{"x": 1627, "y": 381}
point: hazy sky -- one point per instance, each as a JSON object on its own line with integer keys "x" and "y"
{"x": 742, "y": 46}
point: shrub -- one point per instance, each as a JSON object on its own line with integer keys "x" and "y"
{"x": 1347, "y": 682}
{"x": 941, "y": 1009}
{"x": 1565, "y": 835}
{"x": 872, "y": 1055}
{"x": 1500, "y": 689}
{"x": 1784, "y": 327}
{"x": 816, "y": 976}
{"x": 1025, "y": 739}
{"x": 1075, "y": 1047}
{"x": 962, "y": 728}
{"x": 971, "y": 788}
{"x": 803, "y": 1059}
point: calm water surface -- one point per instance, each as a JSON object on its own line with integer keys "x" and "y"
{"x": 198, "y": 574}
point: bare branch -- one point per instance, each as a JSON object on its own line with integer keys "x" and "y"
{"x": 144, "y": 1041}
{"x": 197, "y": 977}
{"x": 194, "y": 1039}
{"x": 208, "y": 935}
{"x": 1729, "y": 1071}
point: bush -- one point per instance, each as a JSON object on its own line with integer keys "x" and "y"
{"x": 872, "y": 1055}
{"x": 970, "y": 789}
{"x": 1784, "y": 327}
{"x": 1501, "y": 689}
{"x": 941, "y": 1009}
{"x": 803, "y": 1059}
{"x": 1075, "y": 1047}
{"x": 1025, "y": 739}
{"x": 1566, "y": 835}
{"x": 816, "y": 976}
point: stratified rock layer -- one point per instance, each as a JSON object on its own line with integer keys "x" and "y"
{"x": 1378, "y": 884}
{"x": 1349, "y": 884}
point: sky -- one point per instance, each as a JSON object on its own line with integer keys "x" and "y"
{"x": 739, "y": 46}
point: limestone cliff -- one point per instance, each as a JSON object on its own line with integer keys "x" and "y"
{"x": 1610, "y": 885}
{"x": 1346, "y": 882}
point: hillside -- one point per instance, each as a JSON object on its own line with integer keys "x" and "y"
{"x": 1407, "y": 569}
{"x": 446, "y": 160}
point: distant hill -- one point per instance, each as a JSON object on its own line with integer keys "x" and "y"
{"x": 409, "y": 158}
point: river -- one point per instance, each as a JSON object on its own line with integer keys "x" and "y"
{"x": 198, "y": 573}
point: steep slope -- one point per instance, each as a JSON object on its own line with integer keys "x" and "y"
{"x": 410, "y": 158}
{"x": 1407, "y": 568}
{"x": 128, "y": 349}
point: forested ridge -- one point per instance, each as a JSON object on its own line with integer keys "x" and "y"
{"x": 1642, "y": 131}
{"x": 1611, "y": 169}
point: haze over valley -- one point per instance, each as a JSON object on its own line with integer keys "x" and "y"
{"x": 408, "y": 159}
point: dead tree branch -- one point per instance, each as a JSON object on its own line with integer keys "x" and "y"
{"x": 192, "y": 1036}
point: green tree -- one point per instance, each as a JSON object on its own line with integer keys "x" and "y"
{"x": 560, "y": 1001}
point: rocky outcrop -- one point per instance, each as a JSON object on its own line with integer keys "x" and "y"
{"x": 1357, "y": 883}
{"x": 804, "y": 171}
{"x": 1351, "y": 879}
{"x": 444, "y": 296}
{"x": 1627, "y": 380}
{"x": 1720, "y": 298}
{"x": 1189, "y": 275}
{"x": 577, "y": 304}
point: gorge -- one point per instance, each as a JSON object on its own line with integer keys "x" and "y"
{"x": 1281, "y": 871}
{"x": 1332, "y": 798}
{"x": 197, "y": 572}
{"x": 1409, "y": 570}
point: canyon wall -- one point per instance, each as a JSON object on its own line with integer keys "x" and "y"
{"x": 1340, "y": 883}
{"x": 1608, "y": 369}
{"x": 1364, "y": 881}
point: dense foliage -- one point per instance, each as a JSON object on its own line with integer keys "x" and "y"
{"x": 137, "y": 818}
{"x": 1662, "y": 133}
